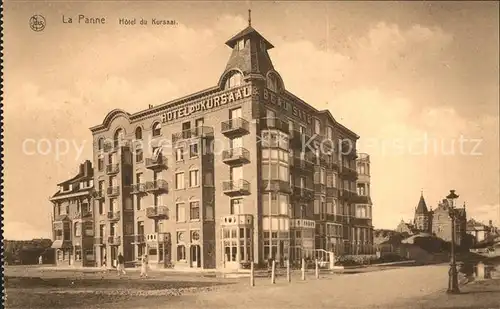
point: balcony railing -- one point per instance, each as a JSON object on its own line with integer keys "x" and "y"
{"x": 239, "y": 219}
{"x": 115, "y": 145}
{"x": 235, "y": 126}
{"x": 302, "y": 223}
{"x": 199, "y": 132}
{"x": 274, "y": 123}
{"x": 303, "y": 193}
{"x": 276, "y": 185}
{"x": 113, "y": 215}
{"x": 114, "y": 240}
{"x": 138, "y": 188}
{"x": 99, "y": 194}
{"x": 156, "y": 163}
{"x": 139, "y": 238}
{"x": 112, "y": 168}
{"x": 236, "y": 155}
{"x": 348, "y": 172}
{"x": 157, "y": 212}
{"x": 236, "y": 187}
{"x": 113, "y": 191}
{"x": 157, "y": 185}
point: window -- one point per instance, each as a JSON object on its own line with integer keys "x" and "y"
{"x": 193, "y": 150}
{"x": 322, "y": 176}
{"x": 317, "y": 126}
{"x": 179, "y": 181}
{"x": 179, "y": 154}
{"x": 329, "y": 133}
{"x": 101, "y": 207}
{"x": 78, "y": 229}
{"x": 234, "y": 80}
{"x": 100, "y": 143}
{"x": 138, "y": 201}
{"x": 100, "y": 163}
{"x": 181, "y": 253}
{"x": 271, "y": 118}
{"x": 290, "y": 126}
{"x": 180, "y": 212}
{"x": 138, "y": 133}
{"x": 236, "y": 206}
{"x": 157, "y": 129}
{"x": 241, "y": 44}
{"x": 316, "y": 207}
{"x": 194, "y": 210}
{"x": 138, "y": 155}
{"x": 272, "y": 82}
{"x": 275, "y": 204}
{"x": 194, "y": 178}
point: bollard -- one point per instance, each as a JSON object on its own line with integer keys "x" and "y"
{"x": 288, "y": 277}
{"x": 252, "y": 275}
{"x": 273, "y": 272}
{"x": 316, "y": 268}
{"x": 303, "y": 269}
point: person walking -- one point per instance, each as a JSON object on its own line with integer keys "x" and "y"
{"x": 144, "y": 266}
{"x": 121, "y": 265}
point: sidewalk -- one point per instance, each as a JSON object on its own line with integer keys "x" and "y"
{"x": 483, "y": 294}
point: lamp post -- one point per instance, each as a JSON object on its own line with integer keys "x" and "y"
{"x": 452, "y": 274}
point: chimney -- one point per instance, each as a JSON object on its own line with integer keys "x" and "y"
{"x": 491, "y": 222}
{"x": 82, "y": 169}
{"x": 87, "y": 168}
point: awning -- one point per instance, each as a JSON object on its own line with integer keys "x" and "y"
{"x": 60, "y": 244}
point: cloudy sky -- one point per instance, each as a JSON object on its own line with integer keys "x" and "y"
{"x": 414, "y": 80}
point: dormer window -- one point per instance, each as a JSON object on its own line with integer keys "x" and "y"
{"x": 272, "y": 82}
{"x": 241, "y": 44}
{"x": 234, "y": 80}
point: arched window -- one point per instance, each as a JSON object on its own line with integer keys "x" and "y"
{"x": 118, "y": 137}
{"x": 156, "y": 129}
{"x": 234, "y": 80}
{"x": 272, "y": 82}
{"x": 138, "y": 133}
{"x": 181, "y": 253}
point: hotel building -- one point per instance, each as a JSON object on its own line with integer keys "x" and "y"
{"x": 72, "y": 219}
{"x": 237, "y": 173}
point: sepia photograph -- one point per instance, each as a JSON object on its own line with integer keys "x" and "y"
{"x": 250, "y": 154}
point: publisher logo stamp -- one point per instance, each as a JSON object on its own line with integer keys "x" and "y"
{"x": 37, "y": 23}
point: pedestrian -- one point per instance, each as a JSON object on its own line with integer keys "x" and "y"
{"x": 121, "y": 265}
{"x": 40, "y": 260}
{"x": 144, "y": 266}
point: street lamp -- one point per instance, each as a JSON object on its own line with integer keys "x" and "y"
{"x": 452, "y": 274}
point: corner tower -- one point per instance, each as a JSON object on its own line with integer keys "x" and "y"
{"x": 422, "y": 214}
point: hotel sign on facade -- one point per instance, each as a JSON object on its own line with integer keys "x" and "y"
{"x": 207, "y": 104}
{"x": 271, "y": 98}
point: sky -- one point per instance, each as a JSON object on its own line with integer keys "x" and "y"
{"x": 415, "y": 80}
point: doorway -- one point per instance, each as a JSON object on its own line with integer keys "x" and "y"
{"x": 195, "y": 256}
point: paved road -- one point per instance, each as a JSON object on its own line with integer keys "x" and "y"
{"x": 382, "y": 289}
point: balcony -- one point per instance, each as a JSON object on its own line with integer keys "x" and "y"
{"x": 274, "y": 123}
{"x": 320, "y": 188}
{"x": 139, "y": 188}
{"x": 158, "y": 185}
{"x": 360, "y": 199}
{"x": 237, "y": 220}
{"x": 305, "y": 164}
{"x": 330, "y": 191}
{"x": 348, "y": 172}
{"x": 139, "y": 239}
{"x": 157, "y": 212}
{"x": 199, "y": 132}
{"x": 302, "y": 224}
{"x": 159, "y": 162}
{"x": 113, "y": 215}
{"x": 236, "y": 187}
{"x": 114, "y": 240}
{"x": 99, "y": 194}
{"x": 113, "y": 191}
{"x": 235, "y": 127}
{"x": 98, "y": 240}
{"x": 238, "y": 155}
{"x": 84, "y": 214}
{"x": 345, "y": 194}
{"x": 303, "y": 193}
{"x": 112, "y": 168}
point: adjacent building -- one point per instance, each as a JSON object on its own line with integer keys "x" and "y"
{"x": 238, "y": 173}
{"x": 439, "y": 223}
{"x": 72, "y": 220}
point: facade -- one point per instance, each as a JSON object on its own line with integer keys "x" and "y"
{"x": 405, "y": 228}
{"x": 227, "y": 176}
{"x": 481, "y": 232}
{"x": 72, "y": 220}
{"x": 363, "y": 227}
{"x": 438, "y": 221}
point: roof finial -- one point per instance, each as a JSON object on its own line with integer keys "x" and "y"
{"x": 249, "y": 17}
{"x": 422, "y": 192}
